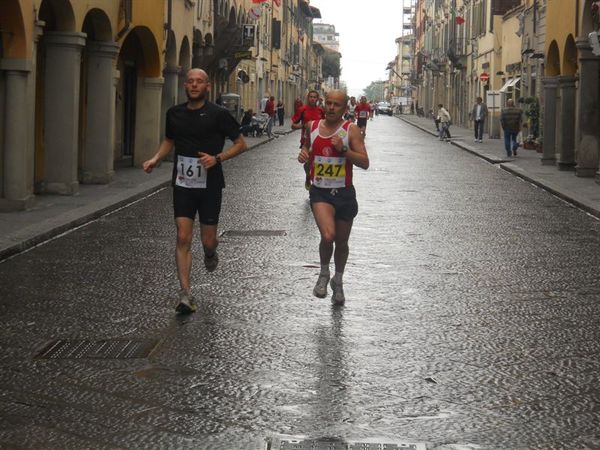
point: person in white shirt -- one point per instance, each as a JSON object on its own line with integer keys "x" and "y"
{"x": 478, "y": 116}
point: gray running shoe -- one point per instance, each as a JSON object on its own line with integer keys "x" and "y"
{"x": 186, "y": 303}
{"x": 320, "y": 289}
{"x": 212, "y": 262}
{"x": 338, "y": 293}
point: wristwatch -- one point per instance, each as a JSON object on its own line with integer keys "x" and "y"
{"x": 345, "y": 149}
{"x": 218, "y": 158}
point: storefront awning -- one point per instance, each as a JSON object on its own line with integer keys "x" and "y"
{"x": 510, "y": 83}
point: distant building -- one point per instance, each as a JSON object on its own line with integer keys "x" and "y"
{"x": 325, "y": 34}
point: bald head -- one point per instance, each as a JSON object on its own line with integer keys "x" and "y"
{"x": 195, "y": 73}
{"x": 196, "y": 86}
{"x": 338, "y": 94}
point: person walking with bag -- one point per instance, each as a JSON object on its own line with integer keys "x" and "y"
{"x": 444, "y": 118}
{"x": 510, "y": 119}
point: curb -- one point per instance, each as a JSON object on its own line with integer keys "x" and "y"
{"x": 568, "y": 196}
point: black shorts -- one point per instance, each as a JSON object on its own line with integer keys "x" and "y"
{"x": 205, "y": 202}
{"x": 361, "y": 122}
{"x": 342, "y": 199}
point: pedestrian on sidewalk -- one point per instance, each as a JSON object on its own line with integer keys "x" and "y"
{"x": 479, "y": 116}
{"x": 280, "y": 112}
{"x": 510, "y": 119}
{"x": 197, "y": 175}
{"x": 436, "y": 120}
{"x": 331, "y": 148}
{"x": 445, "y": 121}
{"x": 304, "y": 115}
{"x": 270, "y": 111}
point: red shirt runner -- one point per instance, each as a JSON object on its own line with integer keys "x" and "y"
{"x": 329, "y": 168}
{"x": 362, "y": 111}
{"x": 305, "y": 114}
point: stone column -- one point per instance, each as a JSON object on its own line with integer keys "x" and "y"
{"x": 147, "y": 119}
{"x": 549, "y": 146}
{"x": 587, "y": 146}
{"x": 61, "y": 111}
{"x": 169, "y": 94}
{"x": 565, "y": 125}
{"x": 97, "y": 163}
{"x": 18, "y": 170}
{"x": 181, "y": 97}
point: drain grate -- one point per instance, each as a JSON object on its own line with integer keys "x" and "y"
{"x": 98, "y": 349}
{"x": 328, "y": 444}
{"x": 246, "y": 233}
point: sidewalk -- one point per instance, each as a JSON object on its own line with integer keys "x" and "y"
{"x": 581, "y": 192}
{"x": 52, "y": 215}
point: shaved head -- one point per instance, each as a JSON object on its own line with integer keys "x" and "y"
{"x": 195, "y": 72}
{"x": 196, "y": 85}
{"x": 339, "y": 94}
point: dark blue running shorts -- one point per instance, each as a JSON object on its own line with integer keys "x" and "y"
{"x": 342, "y": 199}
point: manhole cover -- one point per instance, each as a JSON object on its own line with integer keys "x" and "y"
{"x": 98, "y": 349}
{"x": 329, "y": 444}
{"x": 245, "y": 233}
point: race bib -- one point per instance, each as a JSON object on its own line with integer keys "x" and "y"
{"x": 362, "y": 114}
{"x": 329, "y": 172}
{"x": 190, "y": 173}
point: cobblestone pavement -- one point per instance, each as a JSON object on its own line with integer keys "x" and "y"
{"x": 471, "y": 316}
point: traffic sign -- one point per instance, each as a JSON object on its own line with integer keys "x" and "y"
{"x": 484, "y": 76}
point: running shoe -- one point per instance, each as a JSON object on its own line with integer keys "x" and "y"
{"x": 320, "y": 289}
{"x": 211, "y": 262}
{"x": 186, "y": 303}
{"x": 338, "y": 293}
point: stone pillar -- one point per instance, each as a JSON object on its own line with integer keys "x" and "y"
{"x": 549, "y": 146}
{"x": 587, "y": 146}
{"x": 169, "y": 94}
{"x": 17, "y": 168}
{"x": 61, "y": 111}
{"x": 147, "y": 119}
{"x": 181, "y": 96}
{"x": 565, "y": 125}
{"x": 97, "y": 164}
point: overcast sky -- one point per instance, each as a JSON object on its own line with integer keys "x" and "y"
{"x": 367, "y": 29}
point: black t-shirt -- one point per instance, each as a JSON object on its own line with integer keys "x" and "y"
{"x": 201, "y": 130}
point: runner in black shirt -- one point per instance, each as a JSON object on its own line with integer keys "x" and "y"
{"x": 197, "y": 129}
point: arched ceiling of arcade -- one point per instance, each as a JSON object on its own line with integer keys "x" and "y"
{"x": 553, "y": 60}
{"x": 58, "y": 15}
{"x": 14, "y": 15}
{"x": 569, "y": 62}
{"x": 141, "y": 48}
{"x": 97, "y": 26}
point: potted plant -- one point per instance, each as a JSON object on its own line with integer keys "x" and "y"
{"x": 532, "y": 112}
{"x": 539, "y": 144}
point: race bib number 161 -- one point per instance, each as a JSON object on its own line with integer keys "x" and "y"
{"x": 190, "y": 173}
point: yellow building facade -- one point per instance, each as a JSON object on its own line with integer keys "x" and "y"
{"x": 84, "y": 86}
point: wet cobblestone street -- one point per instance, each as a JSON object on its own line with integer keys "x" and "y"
{"x": 471, "y": 316}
